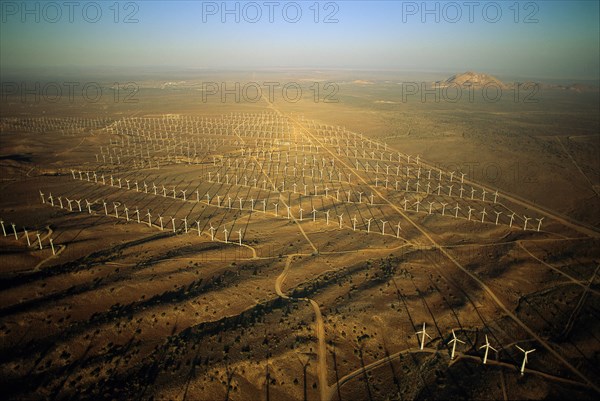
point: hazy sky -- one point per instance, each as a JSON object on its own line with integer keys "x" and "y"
{"x": 560, "y": 39}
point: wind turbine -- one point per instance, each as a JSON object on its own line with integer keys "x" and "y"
{"x": 453, "y": 342}
{"x": 423, "y": 334}
{"x": 526, "y": 220}
{"x": 483, "y": 214}
{"x": 240, "y": 237}
{"x": 39, "y": 240}
{"x": 3, "y": 229}
{"x": 512, "y": 217}
{"x": 27, "y": 237}
{"x": 470, "y": 211}
{"x": 539, "y": 223}
{"x": 383, "y": 223}
{"x": 430, "y": 206}
{"x": 225, "y": 232}
{"x": 42, "y": 196}
{"x": 398, "y": 230}
{"x": 212, "y": 232}
{"x": 417, "y": 203}
{"x": 487, "y": 347}
{"x": 524, "y": 357}
{"x": 443, "y": 208}
{"x": 354, "y": 221}
{"x": 340, "y": 217}
{"x": 369, "y": 225}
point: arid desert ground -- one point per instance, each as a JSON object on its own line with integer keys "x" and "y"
{"x": 183, "y": 247}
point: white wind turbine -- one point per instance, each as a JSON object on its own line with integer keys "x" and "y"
{"x": 453, "y": 342}
{"x": 526, "y": 220}
{"x": 27, "y": 236}
{"x": 539, "y": 223}
{"x": 423, "y": 335}
{"x": 524, "y": 357}
{"x": 487, "y": 347}
{"x": 512, "y": 217}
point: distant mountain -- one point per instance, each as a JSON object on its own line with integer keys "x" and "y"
{"x": 475, "y": 79}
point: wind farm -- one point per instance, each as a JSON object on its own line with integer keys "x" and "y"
{"x": 299, "y": 201}
{"x": 213, "y": 250}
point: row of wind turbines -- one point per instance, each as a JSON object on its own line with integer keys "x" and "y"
{"x": 30, "y": 244}
{"x": 136, "y": 216}
{"x": 486, "y": 347}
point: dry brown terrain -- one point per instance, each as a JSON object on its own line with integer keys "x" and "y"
{"x": 292, "y": 251}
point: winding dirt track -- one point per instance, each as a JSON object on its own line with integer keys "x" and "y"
{"x": 481, "y": 284}
{"x": 320, "y": 328}
{"x": 458, "y": 356}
